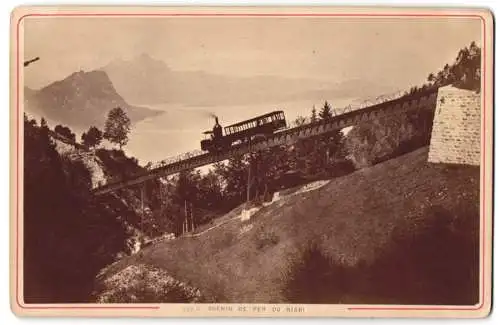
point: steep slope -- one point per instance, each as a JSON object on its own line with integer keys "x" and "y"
{"x": 81, "y": 100}
{"x": 86, "y": 232}
{"x": 403, "y": 231}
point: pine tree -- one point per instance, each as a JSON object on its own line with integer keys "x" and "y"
{"x": 326, "y": 112}
{"x": 314, "y": 115}
{"x": 44, "y": 131}
{"x": 431, "y": 77}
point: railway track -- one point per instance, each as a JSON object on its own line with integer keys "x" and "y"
{"x": 422, "y": 100}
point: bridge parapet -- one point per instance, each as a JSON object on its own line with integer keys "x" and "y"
{"x": 423, "y": 100}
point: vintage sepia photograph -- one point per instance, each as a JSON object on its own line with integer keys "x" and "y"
{"x": 251, "y": 161}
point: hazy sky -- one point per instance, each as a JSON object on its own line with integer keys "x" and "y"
{"x": 394, "y": 51}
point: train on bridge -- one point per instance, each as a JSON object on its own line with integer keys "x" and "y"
{"x": 223, "y": 144}
{"x": 256, "y": 128}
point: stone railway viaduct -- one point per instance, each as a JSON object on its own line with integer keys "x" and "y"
{"x": 456, "y": 130}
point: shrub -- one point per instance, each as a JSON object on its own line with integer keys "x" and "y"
{"x": 315, "y": 279}
{"x": 224, "y": 241}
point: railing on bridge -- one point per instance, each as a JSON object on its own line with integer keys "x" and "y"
{"x": 339, "y": 111}
{"x": 175, "y": 159}
{"x": 351, "y": 115}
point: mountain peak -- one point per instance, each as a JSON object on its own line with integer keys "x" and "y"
{"x": 85, "y": 75}
{"x": 92, "y": 84}
{"x": 140, "y": 78}
{"x": 81, "y": 99}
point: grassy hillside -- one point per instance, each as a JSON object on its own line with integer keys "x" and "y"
{"x": 402, "y": 231}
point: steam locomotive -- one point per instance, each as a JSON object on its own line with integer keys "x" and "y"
{"x": 242, "y": 132}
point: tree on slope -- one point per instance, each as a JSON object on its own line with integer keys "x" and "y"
{"x": 326, "y": 112}
{"x": 235, "y": 175}
{"x": 65, "y": 132}
{"x": 92, "y": 137}
{"x": 314, "y": 115}
{"x": 117, "y": 127}
{"x": 465, "y": 72}
{"x": 69, "y": 235}
{"x": 300, "y": 120}
{"x": 467, "y": 68}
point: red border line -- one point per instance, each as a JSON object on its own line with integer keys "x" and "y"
{"x": 194, "y": 14}
{"x": 366, "y": 15}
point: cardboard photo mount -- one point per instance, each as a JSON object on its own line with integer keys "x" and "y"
{"x": 21, "y": 15}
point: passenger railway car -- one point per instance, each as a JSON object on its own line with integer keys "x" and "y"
{"x": 260, "y": 126}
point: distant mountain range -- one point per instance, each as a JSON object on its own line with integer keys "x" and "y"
{"x": 81, "y": 100}
{"x": 84, "y": 98}
{"x": 145, "y": 80}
